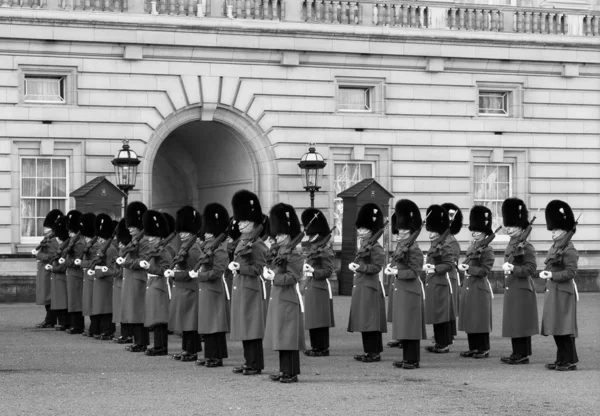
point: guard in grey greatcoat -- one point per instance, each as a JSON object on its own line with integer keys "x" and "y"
{"x": 408, "y": 312}
{"x": 317, "y": 289}
{"x": 560, "y": 301}
{"x": 285, "y": 317}
{"x": 157, "y": 287}
{"x": 213, "y": 294}
{"x": 74, "y": 273}
{"x": 519, "y": 314}
{"x": 475, "y": 316}
{"x": 123, "y": 240}
{"x": 249, "y": 292}
{"x": 456, "y": 217}
{"x": 43, "y": 253}
{"x": 367, "y": 308}
{"x": 91, "y": 246}
{"x": 394, "y": 343}
{"x": 439, "y": 307}
{"x": 58, "y": 277}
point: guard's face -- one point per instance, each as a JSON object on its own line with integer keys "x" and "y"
{"x": 229, "y": 240}
{"x": 134, "y": 231}
{"x": 433, "y": 236}
{"x": 558, "y": 234}
{"x": 153, "y": 240}
{"x": 59, "y": 240}
{"x": 101, "y": 240}
{"x": 245, "y": 226}
{"x": 402, "y": 235}
{"x": 71, "y": 234}
{"x": 47, "y": 231}
{"x": 363, "y": 233}
{"x": 313, "y": 237}
{"x": 208, "y": 236}
{"x": 281, "y": 238}
{"x": 477, "y": 235}
{"x": 513, "y": 231}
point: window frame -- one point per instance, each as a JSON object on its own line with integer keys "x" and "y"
{"x": 60, "y": 78}
{"x": 37, "y": 239}
{"x": 376, "y": 94}
{"x": 68, "y": 84}
{"x": 505, "y": 102}
{"x": 368, "y": 91}
{"x": 514, "y": 98}
{"x": 499, "y": 237}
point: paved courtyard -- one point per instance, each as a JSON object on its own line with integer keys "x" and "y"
{"x": 43, "y": 372}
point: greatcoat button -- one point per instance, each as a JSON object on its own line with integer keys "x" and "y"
{"x": 235, "y": 287}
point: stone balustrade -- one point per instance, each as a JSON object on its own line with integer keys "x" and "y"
{"x": 470, "y": 18}
{"x": 332, "y": 11}
{"x": 254, "y": 9}
{"x": 529, "y": 21}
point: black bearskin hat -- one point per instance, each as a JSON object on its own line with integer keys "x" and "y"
{"x": 187, "y": 220}
{"x": 457, "y": 222}
{"x": 437, "y": 220}
{"x": 215, "y": 219}
{"x": 559, "y": 216}
{"x": 51, "y": 218}
{"x": 370, "y": 216}
{"x": 234, "y": 231}
{"x": 135, "y": 213}
{"x": 60, "y": 228}
{"x": 155, "y": 224}
{"x": 87, "y": 225}
{"x": 394, "y": 229}
{"x": 123, "y": 235}
{"x": 408, "y": 216}
{"x": 318, "y": 226}
{"x": 480, "y": 219}
{"x": 73, "y": 221}
{"x": 284, "y": 220}
{"x": 170, "y": 222}
{"x": 246, "y": 207}
{"x": 103, "y": 226}
{"x": 514, "y": 213}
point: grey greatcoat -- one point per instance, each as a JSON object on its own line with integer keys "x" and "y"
{"x": 75, "y": 276}
{"x": 439, "y": 305}
{"x": 213, "y": 302}
{"x": 318, "y": 304}
{"x": 133, "y": 289}
{"x": 117, "y": 285}
{"x": 183, "y": 310}
{"x": 157, "y": 291}
{"x": 42, "y": 281}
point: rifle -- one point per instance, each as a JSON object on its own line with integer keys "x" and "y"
{"x": 441, "y": 239}
{"x": 281, "y": 257}
{"x": 247, "y": 247}
{"x": 72, "y": 242}
{"x": 561, "y": 246}
{"x": 206, "y": 255}
{"x": 132, "y": 244}
{"x": 59, "y": 252}
{"x": 184, "y": 250}
{"x": 366, "y": 248}
{"x": 483, "y": 244}
{"x": 160, "y": 247}
{"x": 44, "y": 242}
{"x": 88, "y": 247}
{"x": 102, "y": 252}
{"x": 323, "y": 243}
{"x": 402, "y": 250}
{"x": 522, "y": 240}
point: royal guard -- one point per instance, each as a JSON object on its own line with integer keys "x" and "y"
{"x": 317, "y": 289}
{"x": 456, "y": 222}
{"x": 559, "y": 317}
{"x": 58, "y": 277}
{"x": 91, "y": 246}
{"x": 183, "y": 310}
{"x": 249, "y": 292}
{"x": 76, "y": 247}
{"x": 43, "y": 253}
{"x": 367, "y": 308}
{"x": 520, "y": 314}
{"x": 439, "y": 307}
{"x": 233, "y": 238}
{"x": 157, "y": 287}
{"x": 394, "y": 343}
{"x": 213, "y": 294}
{"x": 285, "y": 317}
{"x": 102, "y": 269}
{"x": 475, "y": 317}
{"x": 408, "y": 313}
{"x": 133, "y": 291}
{"x": 123, "y": 240}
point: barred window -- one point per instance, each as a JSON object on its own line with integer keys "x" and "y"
{"x": 493, "y": 103}
{"x": 345, "y": 176}
{"x": 493, "y": 184}
{"x": 40, "y": 89}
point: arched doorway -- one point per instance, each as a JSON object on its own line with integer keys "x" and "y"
{"x": 194, "y": 161}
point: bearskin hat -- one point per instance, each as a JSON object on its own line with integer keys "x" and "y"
{"x": 514, "y": 213}
{"x": 437, "y": 219}
{"x": 457, "y": 222}
{"x": 188, "y": 220}
{"x": 134, "y": 214}
{"x": 155, "y": 224}
{"x": 370, "y": 216}
{"x": 234, "y": 231}
{"x": 123, "y": 235}
{"x": 284, "y": 220}
{"x": 559, "y": 216}
{"x": 266, "y": 231}
{"x": 408, "y": 216}
{"x": 87, "y": 225}
{"x": 170, "y": 222}
{"x": 480, "y": 219}
{"x": 73, "y": 221}
{"x": 103, "y": 226}
{"x": 318, "y": 226}
{"x": 60, "y": 228}
{"x": 215, "y": 219}
{"x": 51, "y": 218}
{"x": 246, "y": 207}
{"x": 394, "y": 229}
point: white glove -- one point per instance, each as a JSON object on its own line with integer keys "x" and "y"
{"x": 193, "y": 274}
{"x": 91, "y": 272}
{"x": 234, "y": 265}
{"x": 120, "y": 260}
{"x": 144, "y": 264}
{"x": 389, "y": 270}
{"x": 429, "y": 268}
{"x": 61, "y": 261}
{"x": 546, "y": 275}
{"x": 104, "y": 269}
{"x": 34, "y": 252}
{"x": 169, "y": 273}
{"x": 268, "y": 273}
{"x": 48, "y": 267}
{"x": 353, "y": 266}
{"x": 463, "y": 267}
{"x": 77, "y": 262}
{"x": 308, "y": 268}
{"x": 507, "y": 267}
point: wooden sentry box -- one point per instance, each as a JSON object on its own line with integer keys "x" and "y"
{"x": 99, "y": 196}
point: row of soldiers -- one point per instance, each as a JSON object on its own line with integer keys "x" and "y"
{"x": 241, "y": 276}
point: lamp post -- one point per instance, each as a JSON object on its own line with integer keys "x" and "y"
{"x": 311, "y": 166}
{"x": 126, "y": 163}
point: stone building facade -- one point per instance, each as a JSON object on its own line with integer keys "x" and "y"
{"x": 441, "y": 101}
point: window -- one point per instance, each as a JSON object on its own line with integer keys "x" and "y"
{"x": 44, "y": 185}
{"x": 493, "y": 185}
{"x": 40, "y": 89}
{"x": 354, "y": 98}
{"x": 345, "y": 176}
{"x": 493, "y": 103}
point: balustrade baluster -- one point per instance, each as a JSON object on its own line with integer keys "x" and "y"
{"x": 594, "y": 24}
{"x": 327, "y": 12}
{"x": 24, "y": 3}
{"x": 180, "y": 8}
{"x": 469, "y": 19}
{"x": 116, "y": 6}
{"x": 319, "y": 11}
{"x": 461, "y": 18}
{"x": 395, "y": 15}
{"x": 552, "y": 24}
{"x": 477, "y": 19}
{"x": 190, "y": 9}
{"x": 493, "y": 21}
{"x": 450, "y": 18}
